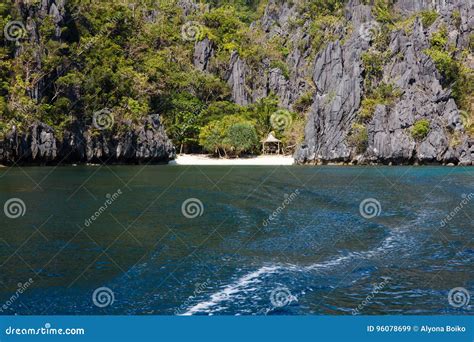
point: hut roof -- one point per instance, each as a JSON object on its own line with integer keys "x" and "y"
{"x": 271, "y": 139}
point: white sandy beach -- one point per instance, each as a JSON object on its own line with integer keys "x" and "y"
{"x": 201, "y": 159}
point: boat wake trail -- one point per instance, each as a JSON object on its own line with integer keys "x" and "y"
{"x": 393, "y": 242}
{"x": 222, "y": 295}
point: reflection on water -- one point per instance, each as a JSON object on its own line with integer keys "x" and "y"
{"x": 223, "y": 240}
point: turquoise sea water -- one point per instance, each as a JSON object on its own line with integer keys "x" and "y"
{"x": 242, "y": 240}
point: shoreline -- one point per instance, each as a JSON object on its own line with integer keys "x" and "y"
{"x": 208, "y": 160}
{"x": 202, "y": 159}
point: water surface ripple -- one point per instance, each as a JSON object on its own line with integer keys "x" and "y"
{"x": 231, "y": 258}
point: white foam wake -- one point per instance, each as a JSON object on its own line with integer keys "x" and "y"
{"x": 231, "y": 289}
{"x": 392, "y": 242}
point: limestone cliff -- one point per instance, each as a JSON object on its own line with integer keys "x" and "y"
{"x": 336, "y": 78}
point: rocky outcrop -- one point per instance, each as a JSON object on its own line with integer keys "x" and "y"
{"x": 338, "y": 74}
{"x": 203, "y": 52}
{"x": 144, "y": 143}
{"x": 80, "y": 142}
{"x": 237, "y": 79}
{"x": 336, "y": 77}
{"x": 330, "y": 73}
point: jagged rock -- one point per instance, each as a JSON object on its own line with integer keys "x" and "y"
{"x": 338, "y": 77}
{"x": 237, "y": 78}
{"x": 336, "y": 71}
{"x": 188, "y": 6}
{"x": 203, "y": 52}
{"x": 147, "y": 142}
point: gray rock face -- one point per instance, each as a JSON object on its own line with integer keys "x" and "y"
{"x": 338, "y": 75}
{"x": 188, "y": 6}
{"x": 203, "y": 52}
{"x": 237, "y": 79}
{"x": 145, "y": 143}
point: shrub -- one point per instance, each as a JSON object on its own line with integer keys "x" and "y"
{"x": 241, "y": 137}
{"x": 282, "y": 66}
{"x": 304, "y": 102}
{"x": 359, "y": 138}
{"x": 428, "y": 18}
{"x": 373, "y": 63}
{"x": 367, "y": 108}
{"x": 383, "y": 11}
{"x": 446, "y": 65}
{"x": 456, "y": 17}
{"x": 420, "y": 129}
{"x": 210, "y": 137}
{"x": 323, "y": 30}
{"x": 293, "y": 134}
{"x": 232, "y": 135}
{"x": 453, "y": 72}
{"x": 439, "y": 39}
{"x": 384, "y": 94}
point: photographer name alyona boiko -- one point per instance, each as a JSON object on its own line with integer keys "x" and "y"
{"x": 443, "y": 329}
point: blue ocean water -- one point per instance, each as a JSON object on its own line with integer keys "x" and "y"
{"x": 179, "y": 240}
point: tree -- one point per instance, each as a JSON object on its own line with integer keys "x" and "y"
{"x": 211, "y": 138}
{"x": 241, "y": 137}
